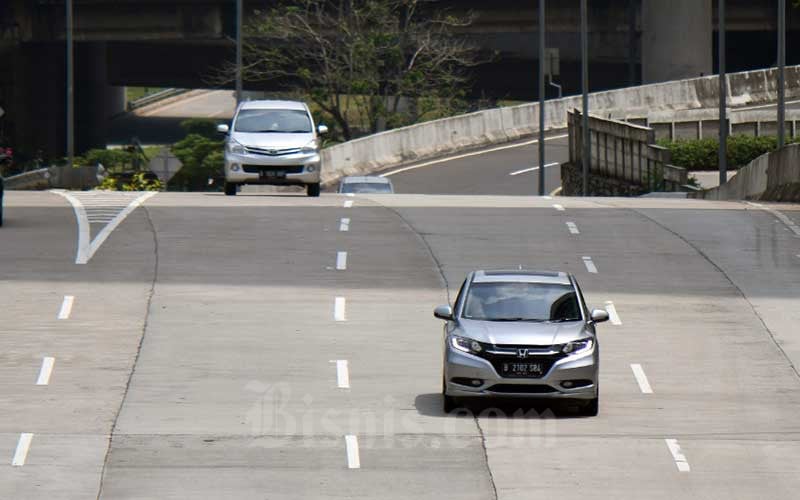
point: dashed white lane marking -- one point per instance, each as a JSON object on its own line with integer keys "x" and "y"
{"x": 677, "y": 455}
{"x": 23, "y": 445}
{"x": 66, "y": 307}
{"x": 782, "y": 217}
{"x": 341, "y": 261}
{"x": 98, "y": 207}
{"x": 560, "y": 208}
{"x": 573, "y": 228}
{"x": 533, "y": 169}
{"x": 353, "y": 461}
{"x": 344, "y": 225}
{"x": 468, "y": 155}
{"x": 45, "y": 371}
{"x": 342, "y": 374}
{"x": 348, "y": 203}
{"x": 339, "y": 313}
{"x": 641, "y": 379}
{"x": 587, "y": 261}
{"x": 611, "y": 309}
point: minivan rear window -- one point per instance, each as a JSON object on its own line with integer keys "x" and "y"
{"x": 279, "y": 121}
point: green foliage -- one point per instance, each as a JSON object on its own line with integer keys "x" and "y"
{"x": 111, "y": 159}
{"x": 201, "y": 126}
{"x": 140, "y": 182}
{"x": 110, "y": 183}
{"x": 703, "y": 154}
{"x": 202, "y": 159}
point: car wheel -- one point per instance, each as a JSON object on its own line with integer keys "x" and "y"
{"x": 312, "y": 189}
{"x": 449, "y": 403}
{"x": 591, "y": 408}
{"x": 230, "y": 189}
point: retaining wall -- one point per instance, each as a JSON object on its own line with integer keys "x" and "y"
{"x": 434, "y": 138}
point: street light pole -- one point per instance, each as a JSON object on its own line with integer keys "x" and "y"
{"x": 781, "y": 73}
{"x": 587, "y": 146}
{"x": 239, "y": 8}
{"x": 541, "y": 95}
{"x": 70, "y": 89}
{"x": 723, "y": 95}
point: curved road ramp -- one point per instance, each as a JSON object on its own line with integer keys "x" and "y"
{"x": 283, "y": 348}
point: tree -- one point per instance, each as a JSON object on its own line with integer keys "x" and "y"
{"x": 365, "y": 64}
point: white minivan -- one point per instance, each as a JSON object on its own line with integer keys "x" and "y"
{"x": 272, "y": 142}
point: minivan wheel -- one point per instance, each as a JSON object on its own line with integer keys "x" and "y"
{"x": 312, "y": 189}
{"x": 230, "y": 188}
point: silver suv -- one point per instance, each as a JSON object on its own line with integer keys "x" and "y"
{"x": 272, "y": 142}
{"x": 521, "y": 334}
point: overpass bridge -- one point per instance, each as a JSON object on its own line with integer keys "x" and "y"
{"x": 176, "y": 42}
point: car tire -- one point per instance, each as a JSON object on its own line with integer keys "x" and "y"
{"x": 230, "y": 189}
{"x": 591, "y": 408}
{"x": 312, "y": 190}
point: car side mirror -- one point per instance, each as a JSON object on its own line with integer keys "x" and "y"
{"x": 599, "y": 315}
{"x": 222, "y": 128}
{"x": 444, "y": 312}
{"x": 322, "y": 129}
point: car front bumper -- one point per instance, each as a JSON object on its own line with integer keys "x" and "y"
{"x": 460, "y": 365}
{"x": 297, "y": 169}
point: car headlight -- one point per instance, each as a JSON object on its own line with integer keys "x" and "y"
{"x": 235, "y": 148}
{"x": 466, "y": 345}
{"x": 578, "y": 346}
{"x": 310, "y": 148}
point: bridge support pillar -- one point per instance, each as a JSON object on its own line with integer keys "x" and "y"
{"x": 677, "y": 39}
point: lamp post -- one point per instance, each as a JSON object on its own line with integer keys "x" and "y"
{"x": 541, "y": 95}
{"x": 239, "y": 8}
{"x": 723, "y": 91}
{"x": 587, "y": 146}
{"x": 781, "y": 73}
{"x": 70, "y": 88}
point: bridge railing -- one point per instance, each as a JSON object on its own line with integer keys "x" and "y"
{"x": 624, "y": 151}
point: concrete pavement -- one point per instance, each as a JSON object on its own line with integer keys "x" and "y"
{"x": 240, "y": 390}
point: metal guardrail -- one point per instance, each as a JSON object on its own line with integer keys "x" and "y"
{"x": 624, "y": 151}
{"x": 154, "y": 97}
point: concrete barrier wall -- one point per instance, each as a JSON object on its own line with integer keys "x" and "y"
{"x": 769, "y": 177}
{"x": 704, "y": 123}
{"x": 54, "y": 178}
{"x": 434, "y": 138}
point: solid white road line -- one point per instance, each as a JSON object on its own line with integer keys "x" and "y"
{"x": 342, "y": 374}
{"x": 66, "y": 307}
{"x": 45, "y": 371}
{"x": 341, "y": 261}
{"x": 353, "y": 461}
{"x": 641, "y": 378}
{"x": 560, "y": 208}
{"x": 23, "y": 445}
{"x": 677, "y": 455}
{"x": 339, "y": 313}
{"x": 344, "y": 225}
{"x": 783, "y": 218}
{"x": 468, "y": 155}
{"x": 587, "y": 261}
{"x": 573, "y": 228}
{"x": 533, "y": 169}
{"x": 612, "y": 313}
{"x": 348, "y": 203}
{"x": 548, "y": 197}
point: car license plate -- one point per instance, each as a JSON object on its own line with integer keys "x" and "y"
{"x": 273, "y": 173}
{"x": 522, "y": 369}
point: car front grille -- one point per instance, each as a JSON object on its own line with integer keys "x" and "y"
{"x": 272, "y": 171}
{"x": 499, "y": 355}
{"x": 271, "y": 152}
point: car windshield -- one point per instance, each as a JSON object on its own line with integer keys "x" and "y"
{"x": 366, "y": 187}
{"x": 522, "y": 302}
{"x": 279, "y": 121}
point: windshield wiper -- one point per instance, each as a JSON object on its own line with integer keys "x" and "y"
{"x": 532, "y": 320}
{"x": 563, "y": 320}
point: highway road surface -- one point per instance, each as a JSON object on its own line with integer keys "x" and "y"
{"x": 282, "y": 347}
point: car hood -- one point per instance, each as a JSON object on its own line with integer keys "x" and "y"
{"x": 520, "y": 332}
{"x": 271, "y": 140}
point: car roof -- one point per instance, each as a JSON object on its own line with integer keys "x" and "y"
{"x": 366, "y": 178}
{"x": 521, "y": 276}
{"x": 269, "y": 104}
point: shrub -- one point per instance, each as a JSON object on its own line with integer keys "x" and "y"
{"x": 201, "y": 158}
{"x": 112, "y": 159}
{"x": 703, "y": 154}
{"x": 201, "y": 126}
